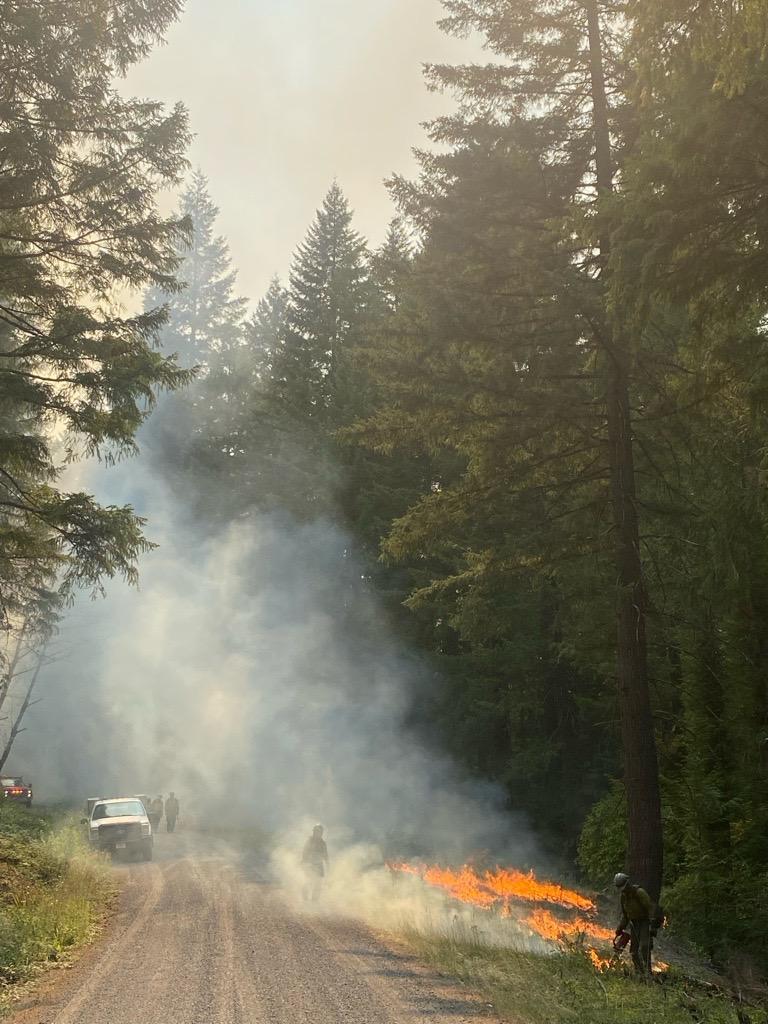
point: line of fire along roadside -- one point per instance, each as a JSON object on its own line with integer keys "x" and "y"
{"x": 509, "y": 892}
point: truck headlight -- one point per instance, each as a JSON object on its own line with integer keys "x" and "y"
{"x": 145, "y": 828}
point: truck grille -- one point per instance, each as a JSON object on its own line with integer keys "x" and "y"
{"x": 119, "y": 833}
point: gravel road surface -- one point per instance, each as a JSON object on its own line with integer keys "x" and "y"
{"x": 201, "y": 938}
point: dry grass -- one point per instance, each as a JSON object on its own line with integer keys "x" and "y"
{"x": 53, "y": 895}
{"x": 565, "y": 989}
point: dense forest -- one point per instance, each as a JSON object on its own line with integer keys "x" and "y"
{"x": 538, "y": 408}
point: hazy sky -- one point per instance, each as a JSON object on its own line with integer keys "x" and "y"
{"x": 285, "y": 95}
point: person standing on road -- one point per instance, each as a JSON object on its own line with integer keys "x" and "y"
{"x": 171, "y": 812}
{"x": 636, "y": 914}
{"x": 314, "y": 860}
{"x": 157, "y": 812}
{"x": 149, "y": 804}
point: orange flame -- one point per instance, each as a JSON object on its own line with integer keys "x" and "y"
{"x": 511, "y": 884}
{"x": 495, "y": 887}
{"x": 550, "y": 927}
{"x": 463, "y": 885}
{"x": 499, "y": 889}
{"x": 600, "y": 963}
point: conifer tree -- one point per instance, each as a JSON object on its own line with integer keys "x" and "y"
{"x": 205, "y": 316}
{"x": 539, "y": 340}
{"x": 237, "y": 419}
{"x": 689, "y": 236}
{"x": 267, "y": 418}
{"x": 267, "y": 326}
{"x": 328, "y": 296}
{"x": 197, "y": 437}
{"x": 79, "y": 223}
{"x": 693, "y": 227}
{"x": 392, "y": 264}
{"x": 264, "y": 335}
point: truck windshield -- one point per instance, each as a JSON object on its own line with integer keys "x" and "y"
{"x": 118, "y": 809}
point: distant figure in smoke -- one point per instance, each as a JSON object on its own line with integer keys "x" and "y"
{"x": 156, "y": 813}
{"x": 171, "y": 812}
{"x": 314, "y": 860}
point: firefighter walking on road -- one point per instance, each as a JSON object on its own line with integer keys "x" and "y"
{"x": 171, "y": 812}
{"x": 637, "y": 916}
{"x": 314, "y": 860}
{"x": 156, "y": 813}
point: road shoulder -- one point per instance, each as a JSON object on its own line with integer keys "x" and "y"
{"x": 38, "y": 999}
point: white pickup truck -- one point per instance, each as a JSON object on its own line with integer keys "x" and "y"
{"x": 120, "y": 825}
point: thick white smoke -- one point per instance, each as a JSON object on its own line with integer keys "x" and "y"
{"x": 252, "y": 674}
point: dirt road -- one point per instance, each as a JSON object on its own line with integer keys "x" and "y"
{"x": 202, "y": 939}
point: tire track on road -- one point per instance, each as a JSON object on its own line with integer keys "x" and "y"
{"x": 115, "y": 948}
{"x": 210, "y": 943}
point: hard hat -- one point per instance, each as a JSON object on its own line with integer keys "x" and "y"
{"x": 621, "y": 880}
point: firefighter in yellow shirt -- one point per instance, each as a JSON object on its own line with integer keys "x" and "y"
{"x": 637, "y": 916}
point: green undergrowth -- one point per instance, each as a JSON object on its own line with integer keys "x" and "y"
{"x": 53, "y": 890}
{"x": 565, "y": 988}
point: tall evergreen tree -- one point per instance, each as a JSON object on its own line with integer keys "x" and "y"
{"x": 206, "y": 316}
{"x": 266, "y": 329}
{"x": 690, "y": 235}
{"x": 265, "y": 408}
{"x": 300, "y": 345}
{"x": 392, "y": 264}
{"x": 198, "y": 435}
{"x": 79, "y": 222}
{"x": 236, "y": 424}
{"x": 328, "y": 296}
{"x": 551, "y": 118}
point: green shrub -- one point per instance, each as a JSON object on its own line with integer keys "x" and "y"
{"x": 21, "y": 822}
{"x": 53, "y": 890}
{"x": 717, "y": 903}
{"x": 721, "y": 913}
{"x": 603, "y": 842}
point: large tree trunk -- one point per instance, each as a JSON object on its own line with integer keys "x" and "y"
{"x": 641, "y": 771}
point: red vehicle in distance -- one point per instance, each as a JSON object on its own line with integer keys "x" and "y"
{"x": 15, "y": 788}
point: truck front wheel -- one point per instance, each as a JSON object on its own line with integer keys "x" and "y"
{"x": 146, "y": 851}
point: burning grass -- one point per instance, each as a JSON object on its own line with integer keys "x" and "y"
{"x": 534, "y": 907}
{"x": 559, "y": 919}
{"x": 566, "y": 970}
{"x": 497, "y": 888}
{"x": 548, "y": 926}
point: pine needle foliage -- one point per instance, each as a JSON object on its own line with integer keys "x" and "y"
{"x": 79, "y": 225}
{"x": 205, "y": 315}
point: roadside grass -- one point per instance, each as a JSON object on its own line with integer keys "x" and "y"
{"x": 53, "y": 891}
{"x": 565, "y": 988}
